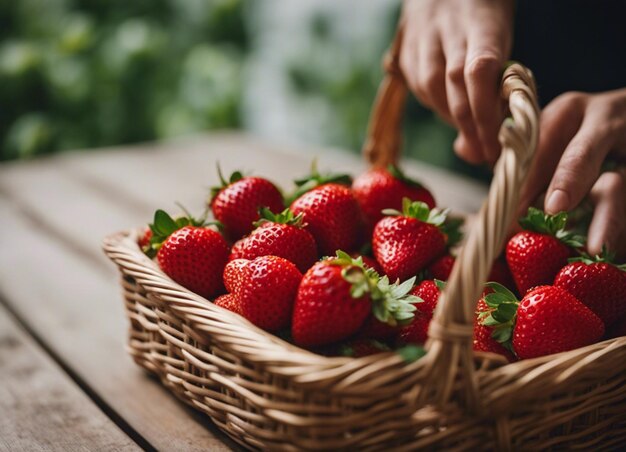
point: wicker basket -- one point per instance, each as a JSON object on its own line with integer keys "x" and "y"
{"x": 268, "y": 394}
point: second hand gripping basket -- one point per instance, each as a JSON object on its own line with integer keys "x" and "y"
{"x": 268, "y": 394}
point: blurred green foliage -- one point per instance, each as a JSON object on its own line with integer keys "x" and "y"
{"x": 87, "y": 73}
{"x": 78, "y": 74}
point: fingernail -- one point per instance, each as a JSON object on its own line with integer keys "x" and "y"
{"x": 558, "y": 201}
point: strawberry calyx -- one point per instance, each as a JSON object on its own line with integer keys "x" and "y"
{"x": 501, "y": 315}
{"x": 234, "y": 177}
{"x": 285, "y": 217}
{"x": 397, "y": 173}
{"x": 315, "y": 179}
{"x": 605, "y": 256}
{"x": 420, "y": 211}
{"x": 164, "y": 225}
{"x": 553, "y": 225}
{"x": 392, "y": 303}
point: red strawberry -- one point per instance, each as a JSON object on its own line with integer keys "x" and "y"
{"x": 363, "y": 347}
{"x": 417, "y": 331}
{"x": 144, "y": 239}
{"x": 235, "y": 251}
{"x": 442, "y": 267}
{"x": 406, "y": 243}
{"x": 332, "y": 215}
{"x": 598, "y": 284}
{"x": 233, "y": 274}
{"x": 279, "y": 235}
{"x": 268, "y": 290}
{"x": 537, "y": 254}
{"x": 336, "y": 296}
{"x": 548, "y": 320}
{"x": 381, "y": 188}
{"x": 230, "y": 302}
{"x": 192, "y": 255}
{"x": 483, "y": 335}
{"x": 236, "y": 202}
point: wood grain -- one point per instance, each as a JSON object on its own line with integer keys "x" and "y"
{"x": 75, "y": 308}
{"x": 42, "y": 409}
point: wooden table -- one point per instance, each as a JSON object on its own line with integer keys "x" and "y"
{"x": 67, "y": 383}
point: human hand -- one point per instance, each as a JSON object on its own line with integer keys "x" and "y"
{"x": 577, "y": 132}
{"x": 452, "y": 56}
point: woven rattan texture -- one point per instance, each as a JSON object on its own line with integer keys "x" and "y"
{"x": 268, "y": 394}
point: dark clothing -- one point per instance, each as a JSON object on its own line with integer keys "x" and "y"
{"x": 572, "y": 45}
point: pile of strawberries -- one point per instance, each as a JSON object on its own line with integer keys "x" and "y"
{"x": 356, "y": 268}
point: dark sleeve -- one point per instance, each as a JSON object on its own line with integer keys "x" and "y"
{"x": 572, "y": 45}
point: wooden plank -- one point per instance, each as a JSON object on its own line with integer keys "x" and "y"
{"x": 185, "y": 168}
{"x": 76, "y": 310}
{"x": 42, "y": 408}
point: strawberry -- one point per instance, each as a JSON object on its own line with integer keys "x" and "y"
{"x": 442, "y": 267}
{"x": 536, "y": 254}
{"x": 547, "y": 320}
{"x": 385, "y": 188}
{"x": 144, "y": 239}
{"x": 192, "y": 255}
{"x": 363, "y": 347}
{"x": 598, "y": 284}
{"x": 233, "y": 274}
{"x": 332, "y": 215}
{"x": 483, "y": 335}
{"x": 236, "y": 202}
{"x": 280, "y": 235}
{"x": 230, "y": 302}
{"x": 416, "y": 332}
{"x": 336, "y": 296}
{"x": 267, "y": 292}
{"x": 406, "y": 243}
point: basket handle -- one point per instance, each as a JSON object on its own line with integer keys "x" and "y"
{"x": 451, "y": 330}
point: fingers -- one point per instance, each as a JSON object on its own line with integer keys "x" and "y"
{"x": 559, "y": 122}
{"x": 485, "y": 58}
{"x": 431, "y": 75}
{"x": 609, "y": 218}
{"x": 468, "y": 146}
{"x": 580, "y": 164}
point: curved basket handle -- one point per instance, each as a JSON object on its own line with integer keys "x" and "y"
{"x": 451, "y": 330}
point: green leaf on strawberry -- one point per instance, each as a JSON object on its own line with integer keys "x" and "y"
{"x": 315, "y": 179}
{"x": 420, "y": 211}
{"x": 501, "y": 316}
{"x": 391, "y": 303}
{"x": 284, "y": 217}
{"x": 164, "y": 225}
{"x": 605, "y": 256}
{"x": 553, "y": 225}
{"x": 399, "y": 174}
{"x": 234, "y": 177}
